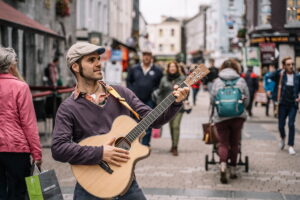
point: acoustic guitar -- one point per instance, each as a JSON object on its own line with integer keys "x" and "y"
{"x": 106, "y": 181}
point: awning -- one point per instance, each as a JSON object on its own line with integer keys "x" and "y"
{"x": 11, "y": 17}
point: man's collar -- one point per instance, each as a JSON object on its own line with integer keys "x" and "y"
{"x": 77, "y": 93}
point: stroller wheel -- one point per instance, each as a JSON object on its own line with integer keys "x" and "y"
{"x": 246, "y": 164}
{"x": 206, "y": 162}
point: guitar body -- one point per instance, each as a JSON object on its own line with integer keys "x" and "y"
{"x": 99, "y": 182}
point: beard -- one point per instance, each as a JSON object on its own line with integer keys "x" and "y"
{"x": 81, "y": 73}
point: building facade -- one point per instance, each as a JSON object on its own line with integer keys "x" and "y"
{"x": 38, "y": 31}
{"x": 166, "y": 38}
{"x": 274, "y": 27}
{"x": 224, "y": 20}
{"x": 195, "y": 34}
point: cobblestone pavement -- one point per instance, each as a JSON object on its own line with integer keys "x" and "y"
{"x": 273, "y": 174}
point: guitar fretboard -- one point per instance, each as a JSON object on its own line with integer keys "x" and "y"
{"x": 151, "y": 117}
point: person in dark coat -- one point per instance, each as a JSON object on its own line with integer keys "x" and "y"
{"x": 143, "y": 79}
{"x": 252, "y": 82}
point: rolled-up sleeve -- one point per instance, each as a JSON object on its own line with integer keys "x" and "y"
{"x": 28, "y": 122}
{"x": 64, "y": 149}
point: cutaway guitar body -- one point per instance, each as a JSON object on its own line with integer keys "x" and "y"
{"x": 99, "y": 182}
{"x": 107, "y": 181}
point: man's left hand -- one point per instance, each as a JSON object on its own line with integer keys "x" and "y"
{"x": 180, "y": 93}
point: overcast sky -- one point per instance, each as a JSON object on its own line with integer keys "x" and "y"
{"x": 153, "y": 9}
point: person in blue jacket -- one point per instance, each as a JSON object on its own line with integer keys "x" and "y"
{"x": 269, "y": 86}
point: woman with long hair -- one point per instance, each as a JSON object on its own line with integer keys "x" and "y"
{"x": 19, "y": 138}
{"x": 172, "y": 76}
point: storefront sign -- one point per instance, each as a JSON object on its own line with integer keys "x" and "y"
{"x": 267, "y": 52}
{"x": 253, "y": 56}
{"x": 116, "y": 55}
{"x": 273, "y": 39}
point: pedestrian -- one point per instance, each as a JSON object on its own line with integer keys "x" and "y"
{"x": 173, "y": 76}
{"x": 195, "y": 89}
{"x": 90, "y": 111}
{"x": 287, "y": 91}
{"x": 252, "y": 83}
{"x": 213, "y": 74}
{"x": 143, "y": 79}
{"x": 229, "y": 126}
{"x": 269, "y": 86}
{"x": 19, "y": 138}
{"x": 51, "y": 73}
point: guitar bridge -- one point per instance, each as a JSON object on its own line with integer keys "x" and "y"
{"x": 105, "y": 167}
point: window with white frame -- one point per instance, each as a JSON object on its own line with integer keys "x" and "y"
{"x": 293, "y": 11}
{"x": 264, "y": 12}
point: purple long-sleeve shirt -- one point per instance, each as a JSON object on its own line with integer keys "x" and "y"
{"x": 77, "y": 119}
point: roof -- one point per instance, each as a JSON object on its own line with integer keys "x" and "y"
{"x": 171, "y": 19}
{"x": 12, "y": 17}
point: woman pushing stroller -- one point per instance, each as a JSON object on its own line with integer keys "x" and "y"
{"x": 230, "y": 97}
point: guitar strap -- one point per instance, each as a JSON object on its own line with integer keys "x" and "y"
{"x": 115, "y": 94}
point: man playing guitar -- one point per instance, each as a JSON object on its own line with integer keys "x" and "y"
{"x": 91, "y": 110}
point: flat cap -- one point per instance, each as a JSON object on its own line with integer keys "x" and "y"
{"x": 80, "y": 49}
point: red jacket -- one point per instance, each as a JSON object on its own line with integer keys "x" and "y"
{"x": 18, "y": 126}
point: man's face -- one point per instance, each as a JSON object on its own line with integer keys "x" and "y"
{"x": 289, "y": 65}
{"x": 147, "y": 58}
{"x": 90, "y": 67}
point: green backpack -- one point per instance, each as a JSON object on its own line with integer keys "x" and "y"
{"x": 228, "y": 101}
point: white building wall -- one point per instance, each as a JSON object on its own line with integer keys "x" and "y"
{"x": 194, "y": 30}
{"x": 218, "y": 33}
{"x": 165, "y": 43}
{"x": 120, "y": 19}
{"x": 92, "y": 15}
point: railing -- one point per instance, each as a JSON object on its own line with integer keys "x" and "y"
{"x": 46, "y": 100}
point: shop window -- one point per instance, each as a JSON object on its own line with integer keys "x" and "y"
{"x": 293, "y": 11}
{"x": 264, "y": 12}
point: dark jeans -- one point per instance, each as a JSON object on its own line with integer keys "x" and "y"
{"x": 195, "y": 92}
{"x": 134, "y": 193}
{"x": 249, "y": 107}
{"x": 14, "y": 167}
{"x": 289, "y": 111}
{"x": 269, "y": 100}
{"x": 147, "y": 138}
{"x": 229, "y": 132}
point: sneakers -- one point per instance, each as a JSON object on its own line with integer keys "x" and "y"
{"x": 292, "y": 150}
{"x": 223, "y": 169}
{"x": 282, "y": 144}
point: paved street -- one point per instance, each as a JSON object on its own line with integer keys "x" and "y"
{"x": 273, "y": 174}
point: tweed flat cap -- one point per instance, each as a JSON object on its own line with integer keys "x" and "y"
{"x": 80, "y": 49}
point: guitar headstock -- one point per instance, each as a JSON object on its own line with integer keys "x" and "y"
{"x": 199, "y": 72}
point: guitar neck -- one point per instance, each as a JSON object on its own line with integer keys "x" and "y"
{"x": 152, "y": 116}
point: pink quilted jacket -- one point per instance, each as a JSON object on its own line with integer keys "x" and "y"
{"x": 18, "y": 126}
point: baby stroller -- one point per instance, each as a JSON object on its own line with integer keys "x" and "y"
{"x": 213, "y": 161}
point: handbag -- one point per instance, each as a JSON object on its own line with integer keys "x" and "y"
{"x": 43, "y": 186}
{"x": 210, "y": 134}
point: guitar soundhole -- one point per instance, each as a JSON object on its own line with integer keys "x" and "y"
{"x": 123, "y": 143}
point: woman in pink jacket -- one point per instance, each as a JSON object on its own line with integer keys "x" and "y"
{"x": 18, "y": 129}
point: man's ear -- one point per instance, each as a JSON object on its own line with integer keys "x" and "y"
{"x": 75, "y": 67}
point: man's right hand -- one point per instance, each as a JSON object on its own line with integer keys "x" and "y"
{"x": 114, "y": 155}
